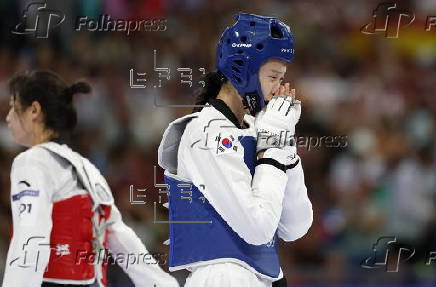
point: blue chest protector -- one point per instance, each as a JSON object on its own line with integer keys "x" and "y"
{"x": 199, "y": 233}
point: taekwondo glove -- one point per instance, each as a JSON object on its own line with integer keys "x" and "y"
{"x": 275, "y": 124}
{"x": 286, "y": 155}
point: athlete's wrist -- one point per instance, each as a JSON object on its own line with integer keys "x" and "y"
{"x": 260, "y": 153}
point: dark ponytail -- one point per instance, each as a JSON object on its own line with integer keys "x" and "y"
{"x": 54, "y": 96}
{"x": 77, "y": 88}
{"x": 68, "y": 124}
{"x": 213, "y": 82}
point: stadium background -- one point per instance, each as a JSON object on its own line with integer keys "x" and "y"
{"x": 378, "y": 92}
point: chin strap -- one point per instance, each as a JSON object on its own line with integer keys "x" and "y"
{"x": 249, "y": 101}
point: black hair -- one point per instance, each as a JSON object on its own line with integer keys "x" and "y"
{"x": 54, "y": 96}
{"x": 213, "y": 82}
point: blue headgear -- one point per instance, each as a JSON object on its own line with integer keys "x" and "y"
{"x": 245, "y": 46}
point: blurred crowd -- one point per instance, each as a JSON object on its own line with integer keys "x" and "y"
{"x": 379, "y": 93}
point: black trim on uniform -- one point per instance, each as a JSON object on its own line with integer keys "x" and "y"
{"x": 291, "y": 166}
{"x": 272, "y": 162}
{"x": 280, "y": 283}
{"x": 24, "y": 182}
{"x": 223, "y": 108}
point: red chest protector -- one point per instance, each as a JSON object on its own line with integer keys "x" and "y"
{"x": 79, "y": 233}
{"x": 73, "y": 256}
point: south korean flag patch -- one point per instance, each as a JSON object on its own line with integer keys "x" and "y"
{"x": 226, "y": 144}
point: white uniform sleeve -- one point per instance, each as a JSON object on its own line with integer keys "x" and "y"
{"x": 297, "y": 214}
{"x": 250, "y": 205}
{"x": 29, "y": 250}
{"x": 143, "y": 270}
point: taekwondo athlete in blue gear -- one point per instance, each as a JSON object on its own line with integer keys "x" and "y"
{"x": 245, "y": 46}
{"x": 226, "y": 206}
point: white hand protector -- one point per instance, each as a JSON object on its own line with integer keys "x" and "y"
{"x": 275, "y": 126}
{"x": 286, "y": 155}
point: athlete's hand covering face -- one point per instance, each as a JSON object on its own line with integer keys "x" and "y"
{"x": 275, "y": 125}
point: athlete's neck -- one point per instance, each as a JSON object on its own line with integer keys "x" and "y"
{"x": 230, "y": 96}
{"x": 42, "y": 135}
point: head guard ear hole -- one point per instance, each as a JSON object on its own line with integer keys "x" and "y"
{"x": 276, "y": 32}
{"x": 244, "y": 39}
{"x": 228, "y": 41}
{"x": 236, "y": 78}
{"x": 259, "y": 47}
{"x": 238, "y": 62}
{"x": 236, "y": 70}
